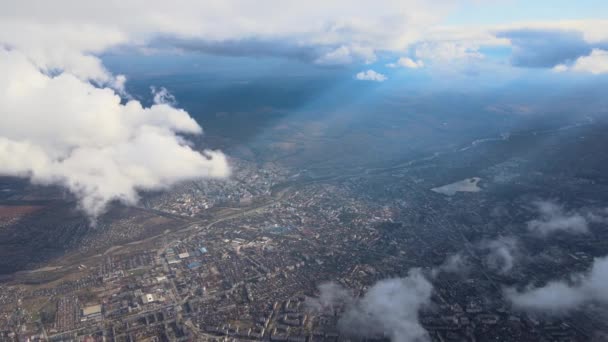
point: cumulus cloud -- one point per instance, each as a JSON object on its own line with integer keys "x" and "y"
{"x": 58, "y": 46}
{"x": 406, "y": 62}
{"x": 502, "y": 253}
{"x": 558, "y": 297}
{"x": 64, "y": 130}
{"x": 389, "y": 308}
{"x": 370, "y": 75}
{"x": 595, "y": 63}
{"x": 554, "y": 218}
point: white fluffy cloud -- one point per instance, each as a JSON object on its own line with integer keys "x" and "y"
{"x": 558, "y": 297}
{"x": 407, "y": 62}
{"x": 370, "y": 75}
{"x": 595, "y": 63}
{"x": 64, "y": 130}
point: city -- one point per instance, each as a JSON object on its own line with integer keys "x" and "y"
{"x": 248, "y": 266}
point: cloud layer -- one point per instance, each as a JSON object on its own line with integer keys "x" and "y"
{"x": 318, "y": 30}
{"x": 66, "y": 34}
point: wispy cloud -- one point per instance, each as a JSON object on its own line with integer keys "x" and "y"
{"x": 553, "y": 218}
{"x": 561, "y": 296}
{"x": 503, "y": 252}
{"x": 388, "y": 309}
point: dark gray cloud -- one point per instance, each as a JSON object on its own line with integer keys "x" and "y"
{"x": 538, "y": 48}
{"x": 322, "y": 54}
{"x": 248, "y": 47}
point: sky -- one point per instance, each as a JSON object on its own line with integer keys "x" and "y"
{"x": 509, "y": 11}
{"x": 67, "y": 117}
